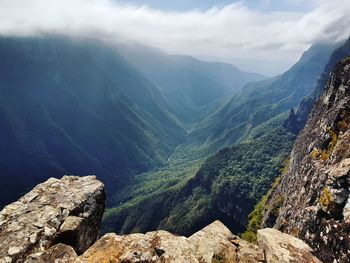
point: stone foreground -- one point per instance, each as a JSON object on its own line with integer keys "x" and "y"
{"x": 58, "y": 222}
{"x": 214, "y": 242}
{"x": 67, "y": 211}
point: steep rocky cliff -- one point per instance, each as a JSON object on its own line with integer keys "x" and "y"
{"x": 58, "y": 222}
{"x": 312, "y": 200}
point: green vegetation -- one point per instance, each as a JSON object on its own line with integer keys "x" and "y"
{"x": 326, "y": 153}
{"x": 256, "y": 216}
{"x": 218, "y": 258}
{"x": 326, "y": 198}
{"x": 184, "y": 198}
{"x": 334, "y": 138}
{"x": 315, "y": 153}
{"x": 255, "y": 221}
{"x": 258, "y": 103}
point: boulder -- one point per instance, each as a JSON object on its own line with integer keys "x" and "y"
{"x": 67, "y": 211}
{"x": 59, "y": 253}
{"x": 217, "y": 242}
{"x": 158, "y": 246}
{"x": 283, "y": 248}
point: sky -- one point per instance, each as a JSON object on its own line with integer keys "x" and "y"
{"x": 265, "y": 36}
{"x": 262, "y": 5}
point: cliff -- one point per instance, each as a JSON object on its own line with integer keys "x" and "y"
{"x": 58, "y": 221}
{"x": 311, "y": 201}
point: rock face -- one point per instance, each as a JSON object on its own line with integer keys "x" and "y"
{"x": 296, "y": 121}
{"x": 66, "y": 211}
{"x": 312, "y": 200}
{"x": 283, "y": 248}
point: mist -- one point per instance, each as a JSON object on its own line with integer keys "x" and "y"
{"x": 265, "y": 42}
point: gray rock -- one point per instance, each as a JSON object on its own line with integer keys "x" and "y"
{"x": 282, "y": 248}
{"x": 67, "y": 210}
{"x": 112, "y": 248}
{"x": 59, "y": 253}
{"x": 214, "y": 243}
{"x": 216, "y": 240}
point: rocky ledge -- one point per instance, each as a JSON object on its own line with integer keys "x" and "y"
{"x": 66, "y": 211}
{"x": 58, "y": 222}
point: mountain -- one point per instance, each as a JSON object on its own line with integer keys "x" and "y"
{"x": 258, "y": 102}
{"x": 76, "y": 106}
{"x": 296, "y": 121}
{"x": 231, "y": 77}
{"x": 190, "y": 86}
{"x": 311, "y": 200}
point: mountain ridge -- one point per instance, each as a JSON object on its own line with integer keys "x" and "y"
{"x": 190, "y": 87}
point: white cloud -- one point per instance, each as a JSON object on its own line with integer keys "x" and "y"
{"x": 233, "y": 33}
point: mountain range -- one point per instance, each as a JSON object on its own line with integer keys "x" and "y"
{"x": 178, "y": 142}
{"x": 76, "y": 105}
{"x": 194, "y": 189}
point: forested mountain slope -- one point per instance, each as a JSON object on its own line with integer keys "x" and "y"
{"x": 259, "y": 102}
{"x": 225, "y": 187}
{"x": 75, "y": 106}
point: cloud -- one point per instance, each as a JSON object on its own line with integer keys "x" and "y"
{"x": 231, "y": 33}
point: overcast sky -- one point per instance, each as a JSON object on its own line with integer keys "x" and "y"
{"x": 265, "y": 36}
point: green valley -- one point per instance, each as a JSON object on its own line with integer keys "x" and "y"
{"x": 247, "y": 145}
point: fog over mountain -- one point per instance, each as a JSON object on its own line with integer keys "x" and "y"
{"x": 242, "y": 33}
